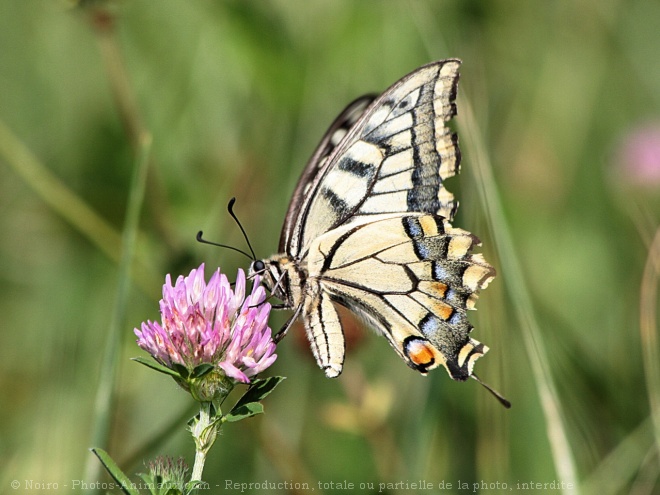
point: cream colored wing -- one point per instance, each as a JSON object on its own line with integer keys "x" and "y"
{"x": 394, "y": 159}
{"x": 324, "y": 330}
{"x": 412, "y": 277}
{"x": 332, "y": 138}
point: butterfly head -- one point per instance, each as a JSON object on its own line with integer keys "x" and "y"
{"x": 276, "y": 274}
{"x": 261, "y": 269}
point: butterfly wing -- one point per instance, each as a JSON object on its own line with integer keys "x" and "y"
{"x": 394, "y": 159}
{"x": 412, "y": 277}
{"x": 333, "y": 136}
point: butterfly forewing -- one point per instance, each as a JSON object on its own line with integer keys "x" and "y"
{"x": 393, "y": 160}
{"x": 333, "y": 136}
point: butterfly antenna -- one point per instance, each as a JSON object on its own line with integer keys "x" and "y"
{"x": 495, "y": 393}
{"x": 230, "y": 208}
{"x": 204, "y": 241}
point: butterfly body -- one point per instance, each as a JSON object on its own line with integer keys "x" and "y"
{"x": 369, "y": 228}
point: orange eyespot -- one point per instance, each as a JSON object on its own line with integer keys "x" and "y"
{"x": 421, "y": 353}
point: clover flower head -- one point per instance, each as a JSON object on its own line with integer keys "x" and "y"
{"x": 213, "y": 326}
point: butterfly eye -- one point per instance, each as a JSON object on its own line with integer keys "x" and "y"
{"x": 258, "y": 266}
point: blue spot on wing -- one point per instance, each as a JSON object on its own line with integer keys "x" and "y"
{"x": 430, "y": 325}
{"x": 412, "y": 227}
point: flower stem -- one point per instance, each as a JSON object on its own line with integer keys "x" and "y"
{"x": 204, "y": 430}
{"x": 198, "y": 467}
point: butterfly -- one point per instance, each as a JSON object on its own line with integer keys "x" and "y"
{"x": 368, "y": 228}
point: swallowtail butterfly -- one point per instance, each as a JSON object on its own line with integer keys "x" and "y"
{"x": 368, "y": 228}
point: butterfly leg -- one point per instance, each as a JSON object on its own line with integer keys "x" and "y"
{"x": 288, "y": 324}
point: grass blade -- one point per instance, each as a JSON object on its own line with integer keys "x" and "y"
{"x": 105, "y": 393}
{"x": 648, "y": 329}
{"x": 616, "y": 470}
{"x": 57, "y": 195}
{"x": 116, "y": 473}
{"x": 516, "y": 287}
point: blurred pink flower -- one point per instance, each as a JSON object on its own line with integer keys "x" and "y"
{"x": 638, "y": 158}
{"x": 211, "y": 324}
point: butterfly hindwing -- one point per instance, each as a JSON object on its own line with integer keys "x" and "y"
{"x": 324, "y": 330}
{"x": 412, "y": 277}
{"x": 394, "y": 159}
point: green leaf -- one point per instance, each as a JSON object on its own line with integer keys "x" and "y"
{"x": 181, "y": 370}
{"x": 155, "y": 484}
{"x": 149, "y": 480}
{"x": 244, "y": 411}
{"x": 114, "y": 471}
{"x": 156, "y": 366}
{"x": 249, "y": 405}
{"x": 160, "y": 486}
{"x": 202, "y": 370}
{"x": 258, "y": 390}
{"x": 193, "y": 486}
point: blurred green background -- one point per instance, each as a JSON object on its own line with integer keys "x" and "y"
{"x": 235, "y": 96}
